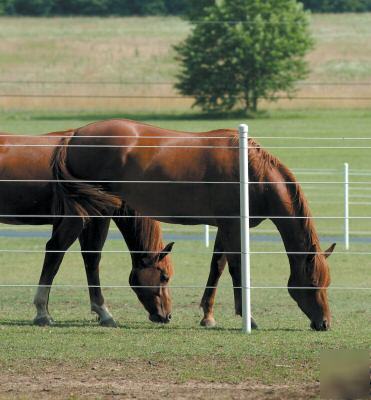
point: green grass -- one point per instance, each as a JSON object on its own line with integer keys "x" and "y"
{"x": 283, "y": 351}
{"x": 141, "y": 50}
{"x": 223, "y": 354}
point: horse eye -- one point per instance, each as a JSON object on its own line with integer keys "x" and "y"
{"x": 164, "y": 277}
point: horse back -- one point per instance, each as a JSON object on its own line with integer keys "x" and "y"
{"x": 24, "y": 165}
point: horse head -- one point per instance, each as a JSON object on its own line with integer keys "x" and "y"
{"x": 149, "y": 279}
{"x": 314, "y": 277}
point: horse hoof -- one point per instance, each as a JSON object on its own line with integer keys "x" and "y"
{"x": 108, "y": 323}
{"x": 43, "y": 321}
{"x": 208, "y": 322}
{"x": 253, "y": 324}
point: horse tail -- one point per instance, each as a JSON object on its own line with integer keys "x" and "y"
{"x": 77, "y": 198}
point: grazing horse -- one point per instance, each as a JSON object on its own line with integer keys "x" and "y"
{"x": 193, "y": 178}
{"x": 29, "y": 201}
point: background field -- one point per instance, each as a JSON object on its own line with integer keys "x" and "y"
{"x": 132, "y": 50}
{"x": 76, "y": 358}
{"x": 282, "y": 357}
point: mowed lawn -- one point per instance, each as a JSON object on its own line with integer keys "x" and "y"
{"x": 282, "y": 357}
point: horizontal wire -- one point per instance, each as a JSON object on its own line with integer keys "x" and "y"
{"x": 61, "y": 286}
{"x": 311, "y": 138}
{"x": 227, "y": 182}
{"x": 323, "y": 173}
{"x": 360, "y": 196}
{"x": 180, "y": 216}
{"x": 9, "y": 229}
{"x": 95, "y": 96}
{"x": 88, "y": 82}
{"x": 177, "y": 137}
{"x": 192, "y": 182}
{"x": 93, "y": 146}
{"x": 257, "y": 21}
{"x": 45, "y": 136}
{"x": 303, "y": 83}
{"x": 102, "y": 181}
{"x": 360, "y": 173}
{"x": 21, "y": 251}
{"x": 186, "y": 146}
{"x": 100, "y": 96}
{"x": 360, "y": 189}
{"x": 316, "y": 169}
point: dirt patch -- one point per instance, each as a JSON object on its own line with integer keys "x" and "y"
{"x": 110, "y": 380}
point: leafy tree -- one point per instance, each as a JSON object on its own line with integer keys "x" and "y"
{"x": 140, "y": 7}
{"x": 197, "y": 9}
{"x": 244, "y": 50}
{"x": 6, "y": 8}
{"x": 337, "y": 5}
{"x": 35, "y": 7}
{"x": 193, "y": 9}
{"x": 84, "y": 7}
{"x": 176, "y": 7}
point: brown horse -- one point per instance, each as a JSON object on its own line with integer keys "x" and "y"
{"x": 29, "y": 201}
{"x": 187, "y": 178}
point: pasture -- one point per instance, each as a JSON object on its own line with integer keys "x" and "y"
{"x": 93, "y": 55}
{"x": 76, "y": 358}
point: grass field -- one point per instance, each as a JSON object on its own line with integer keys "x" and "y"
{"x": 76, "y": 358}
{"x": 140, "y": 50}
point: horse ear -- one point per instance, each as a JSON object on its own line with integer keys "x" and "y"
{"x": 330, "y": 250}
{"x": 152, "y": 259}
{"x": 165, "y": 251}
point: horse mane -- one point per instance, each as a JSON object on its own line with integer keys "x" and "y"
{"x": 148, "y": 233}
{"x": 320, "y": 274}
{"x": 262, "y": 162}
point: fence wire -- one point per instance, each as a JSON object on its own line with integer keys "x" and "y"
{"x": 184, "y": 287}
{"x": 299, "y": 171}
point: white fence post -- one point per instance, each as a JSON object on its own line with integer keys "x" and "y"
{"x": 346, "y": 205}
{"x": 207, "y": 236}
{"x": 245, "y": 225}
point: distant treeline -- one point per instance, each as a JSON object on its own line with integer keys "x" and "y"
{"x": 338, "y": 6}
{"x": 149, "y": 7}
{"x": 92, "y": 7}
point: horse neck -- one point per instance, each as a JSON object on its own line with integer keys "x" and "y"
{"x": 287, "y": 200}
{"x": 295, "y": 237}
{"x": 143, "y": 235}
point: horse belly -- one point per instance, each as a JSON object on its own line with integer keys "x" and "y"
{"x": 182, "y": 203}
{"x": 23, "y": 204}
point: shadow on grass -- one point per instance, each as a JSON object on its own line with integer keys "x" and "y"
{"x": 94, "y": 324}
{"x": 58, "y": 324}
{"x": 140, "y": 326}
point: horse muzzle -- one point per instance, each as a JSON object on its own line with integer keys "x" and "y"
{"x": 320, "y": 325}
{"x": 159, "y": 318}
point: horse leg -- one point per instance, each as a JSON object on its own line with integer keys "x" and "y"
{"x": 64, "y": 235}
{"x": 217, "y": 266}
{"x": 230, "y": 232}
{"x": 92, "y": 238}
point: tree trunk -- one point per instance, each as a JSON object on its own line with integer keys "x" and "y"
{"x": 246, "y": 101}
{"x": 255, "y": 103}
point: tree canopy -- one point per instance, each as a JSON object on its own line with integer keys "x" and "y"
{"x": 240, "y": 51}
